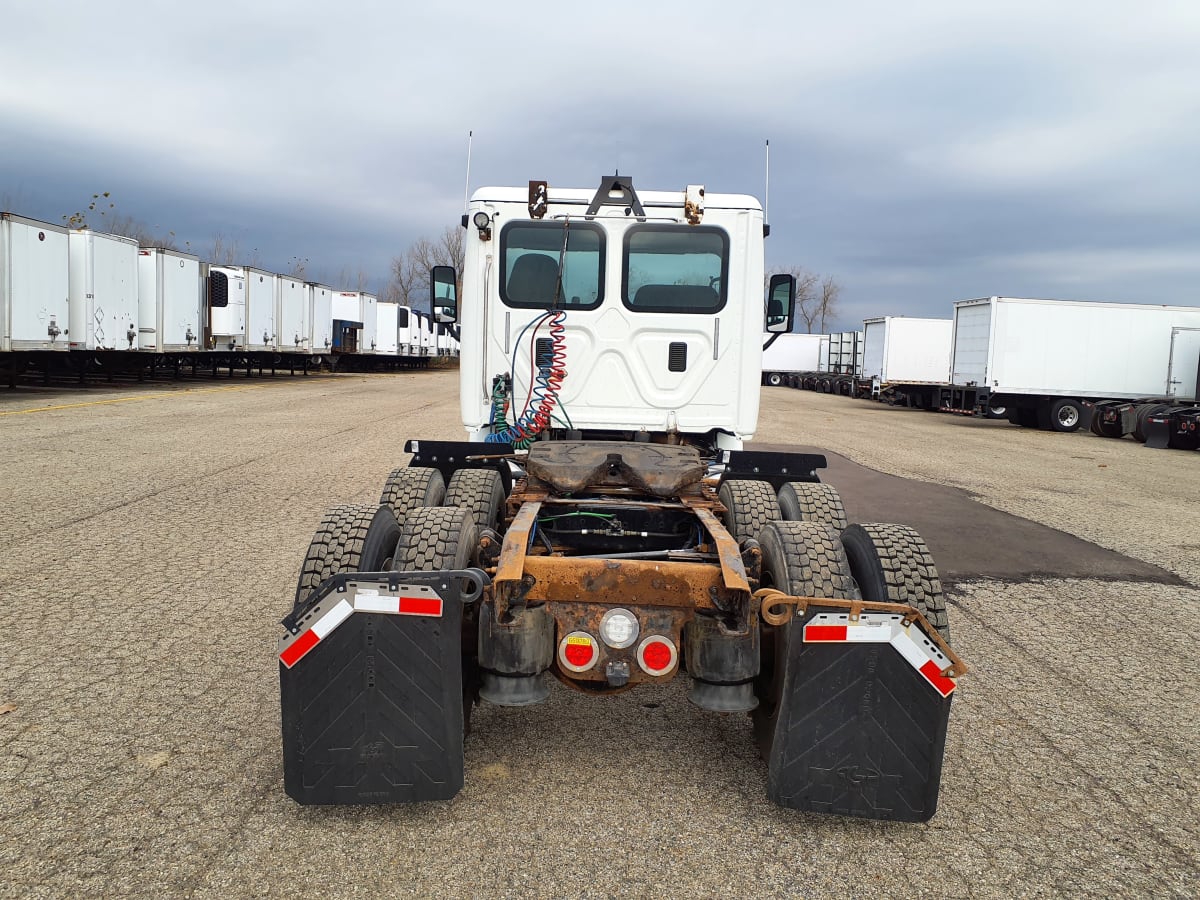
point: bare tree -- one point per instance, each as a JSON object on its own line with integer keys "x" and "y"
{"x": 409, "y": 283}
{"x": 227, "y": 252}
{"x": 128, "y": 226}
{"x": 100, "y": 204}
{"x": 807, "y": 297}
{"x": 298, "y": 265}
{"x": 827, "y": 300}
{"x": 224, "y": 251}
{"x": 354, "y": 280}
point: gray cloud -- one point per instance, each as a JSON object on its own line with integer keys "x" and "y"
{"x": 921, "y": 153}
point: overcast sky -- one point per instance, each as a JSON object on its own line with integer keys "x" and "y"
{"x": 921, "y": 152}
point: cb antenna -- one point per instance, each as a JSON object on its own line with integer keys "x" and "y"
{"x": 467, "y": 186}
{"x": 767, "y": 194}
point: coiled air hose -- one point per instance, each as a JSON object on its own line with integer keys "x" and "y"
{"x": 545, "y": 381}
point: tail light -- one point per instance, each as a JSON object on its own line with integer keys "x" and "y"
{"x": 578, "y": 651}
{"x": 657, "y": 655}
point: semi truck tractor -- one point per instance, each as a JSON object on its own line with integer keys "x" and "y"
{"x": 603, "y": 525}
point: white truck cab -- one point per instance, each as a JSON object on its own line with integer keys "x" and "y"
{"x": 658, "y": 302}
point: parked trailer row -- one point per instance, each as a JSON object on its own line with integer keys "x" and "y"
{"x": 822, "y": 362}
{"x": 1052, "y": 363}
{"x": 64, "y": 290}
{"x": 1118, "y": 368}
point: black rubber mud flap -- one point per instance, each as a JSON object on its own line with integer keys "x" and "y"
{"x": 372, "y": 701}
{"x": 861, "y": 730}
{"x": 1158, "y": 431}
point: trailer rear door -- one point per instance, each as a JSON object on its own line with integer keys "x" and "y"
{"x": 1184, "y": 369}
{"x": 972, "y": 337}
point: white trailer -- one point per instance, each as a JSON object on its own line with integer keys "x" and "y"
{"x": 261, "y": 289}
{"x": 905, "y": 360}
{"x": 786, "y": 355}
{"x": 34, "y": 284}
{"x": 845, "y": 353}
{"x": 369, "y": 304}
{"x": 387, "y": 316}
{"x": 170, "y": 300}
{"x": 1043, "y": 363}
{"x": 408, "y": 332}
{"x": 426, "y": 333}
{"x": 320, "y": 317}
{"x": 103, "y": 312}
{"x": 226, "y": 294}
{"x": 291, "y": 315}
{"x": 348, "y": 322}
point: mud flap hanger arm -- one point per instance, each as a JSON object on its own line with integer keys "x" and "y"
{"x": 777, "y": 608}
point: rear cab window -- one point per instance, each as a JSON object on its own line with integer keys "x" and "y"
{"x": 531, "y": 252}
{"x": 675, "y": 269}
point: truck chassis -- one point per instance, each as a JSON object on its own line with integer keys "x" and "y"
{"x": 609, "y": 565}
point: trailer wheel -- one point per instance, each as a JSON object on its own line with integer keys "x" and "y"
{"x": 354, "y": 537}
{"x": 892, "y": 564}
{"x": 803, "y": 559}
{"x": 409, "y": 488}
{"x": 774, "y": 379}
{"x": 805, "y": 501}
{"x": 1144, "y": 412}
{"x": 479, "y": 490}
{"x": 1065, "y": 415}
{"x": 750, "y": 505}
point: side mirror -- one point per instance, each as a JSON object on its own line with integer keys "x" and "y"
{"x": 781, "y": 304}
{"x": 443, "y": 293}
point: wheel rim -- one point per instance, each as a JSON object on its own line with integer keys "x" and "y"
{"x": 1068, "y": 416}
{"x": 999, "y": 411}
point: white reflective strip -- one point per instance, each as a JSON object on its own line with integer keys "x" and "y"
{"x": 377, "y": 603}
{"x": 869, "y": 633}
{"x": 909, "y": 650}
{"x": 927, "y": 646}
{"x": 332, "y": 619}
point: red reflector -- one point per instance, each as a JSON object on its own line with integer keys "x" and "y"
{"x": 934, "y": 676}
{"x": 298, "y": 648}
{"x": 825, "y": 632}
{"x": 657, "y": 656}
{"x": 420, "y": 606}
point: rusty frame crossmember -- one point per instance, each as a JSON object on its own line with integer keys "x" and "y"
{"x": 522, "y": 577}
{"x": 770, "y": 600}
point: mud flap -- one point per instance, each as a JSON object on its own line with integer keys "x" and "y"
{"x": 1158, "y": 431}
{"x": 862, "y": 722}
{"x": 370, "y": 683}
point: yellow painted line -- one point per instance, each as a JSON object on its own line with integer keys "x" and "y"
{"x": 166, "y": 395}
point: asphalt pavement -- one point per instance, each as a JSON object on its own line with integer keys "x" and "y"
{"x": 153, "y": 537}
